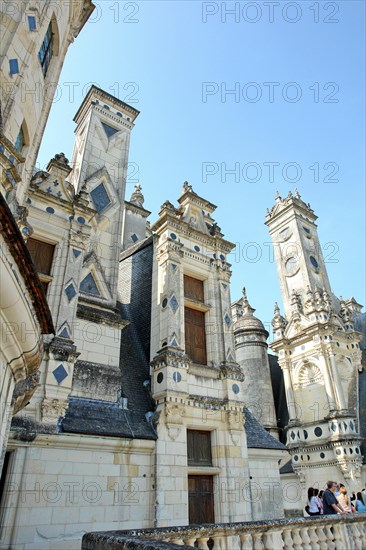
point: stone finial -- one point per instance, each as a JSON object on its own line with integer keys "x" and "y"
{"x": 326, "y": 299}
{"x": 247, "y": 308}
{"x": 344, "y": 312}
{"x": 61, "y": 158}
{"x": 296, "y": 305}
{"x": 289, "y": 195}
{"x": 137, "y": 198}
{"x": 167, "y": 204}
{"x": 215, "y": 229}
{"x": 278, "y": 322}
{"x": 310, "y": 303}
{"x": 297, "y": 194}
{"x": 186, "y": 187}
{"x": 245, "y": 298}
{"x": 278, "y": 197}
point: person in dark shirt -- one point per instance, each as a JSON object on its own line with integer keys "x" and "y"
{"x": 330, "y": 503}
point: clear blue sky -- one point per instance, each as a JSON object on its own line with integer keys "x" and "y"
{"x": 157, "y": 56}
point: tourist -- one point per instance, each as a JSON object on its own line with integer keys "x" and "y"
{"x": 313, "y": 509}
{"x": 320, "y": 496}
{"x": 330, "y": 503}
{"x": 343, "y": 499}
{"x": 360, "y": 506}
{"x": 319, "y": 503}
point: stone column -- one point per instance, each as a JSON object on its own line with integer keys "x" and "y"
{"x": 328, "y": 383}
{"x": 289, "y": 392}
{"x": 337, "y": 382}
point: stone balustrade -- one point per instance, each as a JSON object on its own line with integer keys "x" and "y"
{"x": 338, "y": 532}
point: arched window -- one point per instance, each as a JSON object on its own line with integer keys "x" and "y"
{"x": 49, "y": 46}
{"x": 22, "y": 139}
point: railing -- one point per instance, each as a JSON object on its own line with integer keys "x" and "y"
{"x": 338, "y": 532}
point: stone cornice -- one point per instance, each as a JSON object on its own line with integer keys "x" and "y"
{"x": 169, "y": 220}
{"x": 116, "y": 103}
{"x": 111, "y": 317}
{"x": 86, "y": 442}
{"x": 137, "y": 209}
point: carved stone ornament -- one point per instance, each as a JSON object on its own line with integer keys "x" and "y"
{"x": 351, "y": 470}
{"x": 174, "y": 413}
{"x": 52, "y": 409}
{"x": 309, "y": 374}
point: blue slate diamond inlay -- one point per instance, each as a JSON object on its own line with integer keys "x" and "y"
{"x": 100, "y": 197}
{"x": 174, "y": 343}
{"x": 174, "y": 303}
{"x": 88, "y": 285}
{"x": 174, "y": 267}
{"x": 60, "y": 373}
{"x": 64, "y": 333}
{"x": 70, "y": 292}
{"x": 134, "y": 238}
{"x": 224, "y": 286}
{"x": 108, "y": 129}
{"x": 76, "y": 252}
{"x": 227, "y": 320}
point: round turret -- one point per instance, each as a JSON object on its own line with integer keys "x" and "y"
{"x": 247, "y": 321}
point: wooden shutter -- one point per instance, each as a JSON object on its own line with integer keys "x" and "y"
{"x": 195, "y": 335}
{"x": 193, "y": 288}
{"x": 199, "y": 448}
{"x": 42, "y": 255}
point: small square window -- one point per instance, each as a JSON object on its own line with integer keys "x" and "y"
{"x": 13, "y": 66}
{"x": 32, "y": 25}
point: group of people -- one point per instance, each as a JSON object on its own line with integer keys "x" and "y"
{"x": 334, "y": 500}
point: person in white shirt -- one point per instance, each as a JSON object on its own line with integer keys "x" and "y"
{"x": 313, "y": 502}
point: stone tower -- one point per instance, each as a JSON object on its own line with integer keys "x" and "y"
{"x": 251, "y": 354}
{"x": 76, "y": 213}
{"x": 201, "y": 453}
{"x": 318, "y": 351}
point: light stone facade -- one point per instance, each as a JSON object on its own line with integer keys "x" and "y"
{"x": 29, "y": 73}
{"x": 85, "y": 454}
{"x": 64, "y": 485}
{"x": 318, "y": 351}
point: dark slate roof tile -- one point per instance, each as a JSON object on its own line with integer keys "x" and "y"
{"x": 257, "y": 436}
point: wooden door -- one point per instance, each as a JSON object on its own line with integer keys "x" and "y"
{"x": 200, "y": 500}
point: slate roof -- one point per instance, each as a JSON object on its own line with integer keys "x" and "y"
{"x": 287, "y": 468}
{"x": 257, "y": 436}
{"x": 279, "y": 395}
{"x": 89, "y": 416}
{"x": 96, "y": 417}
